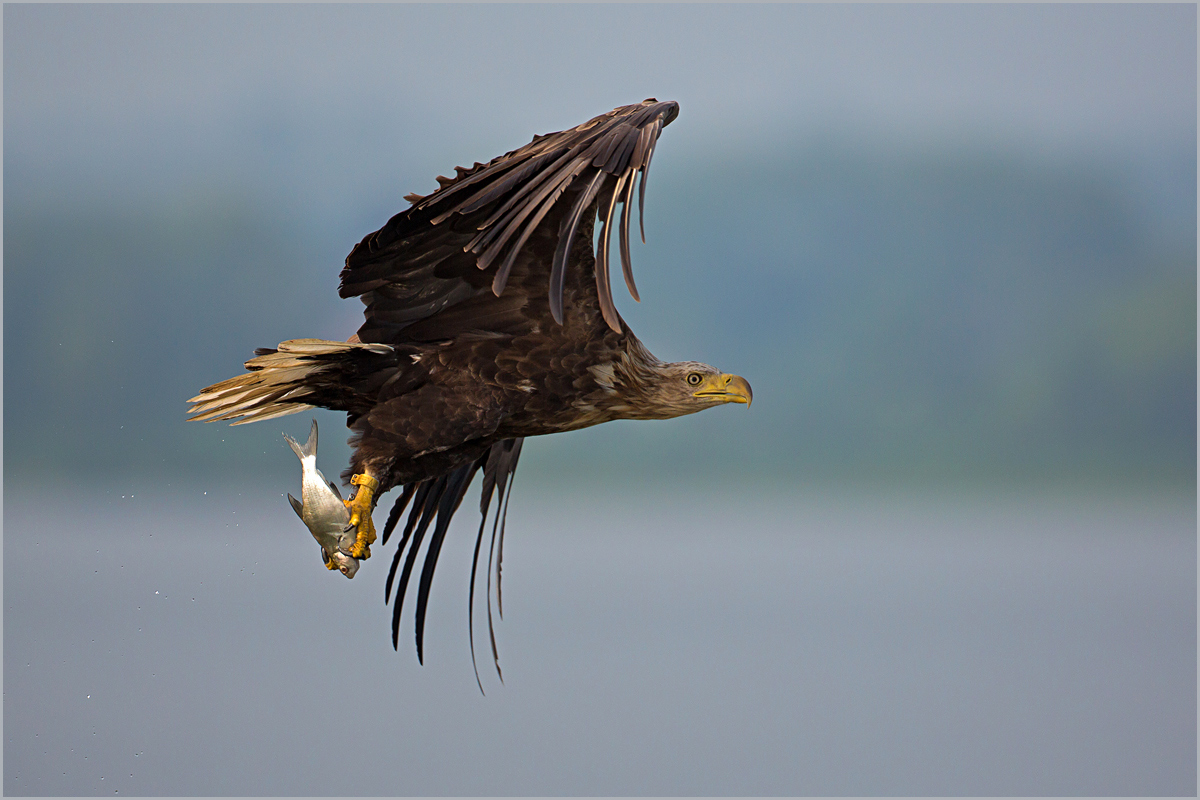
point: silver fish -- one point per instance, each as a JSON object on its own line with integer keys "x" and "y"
{"x": 323, "y": 510}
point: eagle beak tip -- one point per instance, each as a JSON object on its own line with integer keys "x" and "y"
{"x": 735, "y": 389}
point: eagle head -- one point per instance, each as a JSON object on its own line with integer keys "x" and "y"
{"x": 681, "y": 387}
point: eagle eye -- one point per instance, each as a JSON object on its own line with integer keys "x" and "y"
{"x": 694, "y": 378}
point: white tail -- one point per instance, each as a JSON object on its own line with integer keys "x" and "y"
{"x": 277, "y": 384}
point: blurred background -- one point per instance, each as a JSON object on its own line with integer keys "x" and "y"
{"x": 953, "y": 248}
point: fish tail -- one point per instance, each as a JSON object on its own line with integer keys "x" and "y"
{"x": 309, "y": 450}
{"x": 310, "y": 447}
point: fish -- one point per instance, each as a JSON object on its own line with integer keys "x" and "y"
{"x": 323, "y": 511}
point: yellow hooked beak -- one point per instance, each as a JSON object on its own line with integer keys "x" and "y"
{"x": 726, "y": 389}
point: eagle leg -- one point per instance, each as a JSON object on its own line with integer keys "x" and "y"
{"x": 360, "y": 514}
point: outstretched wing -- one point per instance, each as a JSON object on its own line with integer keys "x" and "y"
{"x": 465, "y": 238}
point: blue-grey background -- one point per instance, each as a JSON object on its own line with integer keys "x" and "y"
{"x": 949, "y": 550}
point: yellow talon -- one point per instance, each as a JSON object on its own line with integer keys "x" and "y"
{"x": 360, "y": 514}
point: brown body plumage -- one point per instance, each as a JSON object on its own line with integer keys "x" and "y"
{"x": 489, "y": 319}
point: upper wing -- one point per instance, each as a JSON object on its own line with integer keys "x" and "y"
{"x": 450, "y": 245}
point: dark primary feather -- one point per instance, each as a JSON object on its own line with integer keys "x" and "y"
{"x": 500, "y": 471}
{"x": 438, "y": 498}
{"x": 558, "y": 270}
{"x": 418, "y": 262}
{"x": 451, "y": 496}
{"x": 418, "y": 523}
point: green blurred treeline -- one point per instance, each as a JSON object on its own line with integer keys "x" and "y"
{"x": 924, "y": 317}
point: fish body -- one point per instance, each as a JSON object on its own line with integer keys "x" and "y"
{"x": 323, "y": 510}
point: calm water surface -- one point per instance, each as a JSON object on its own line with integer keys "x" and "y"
{"x": 669, "y": 643}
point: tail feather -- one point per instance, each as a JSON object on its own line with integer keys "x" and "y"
{"x": 292, "y": 378}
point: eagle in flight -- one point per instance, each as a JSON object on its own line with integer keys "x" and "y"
{"x": 489, "y": 319}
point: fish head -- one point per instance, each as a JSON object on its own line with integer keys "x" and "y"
{"x": 346, "y": 564}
